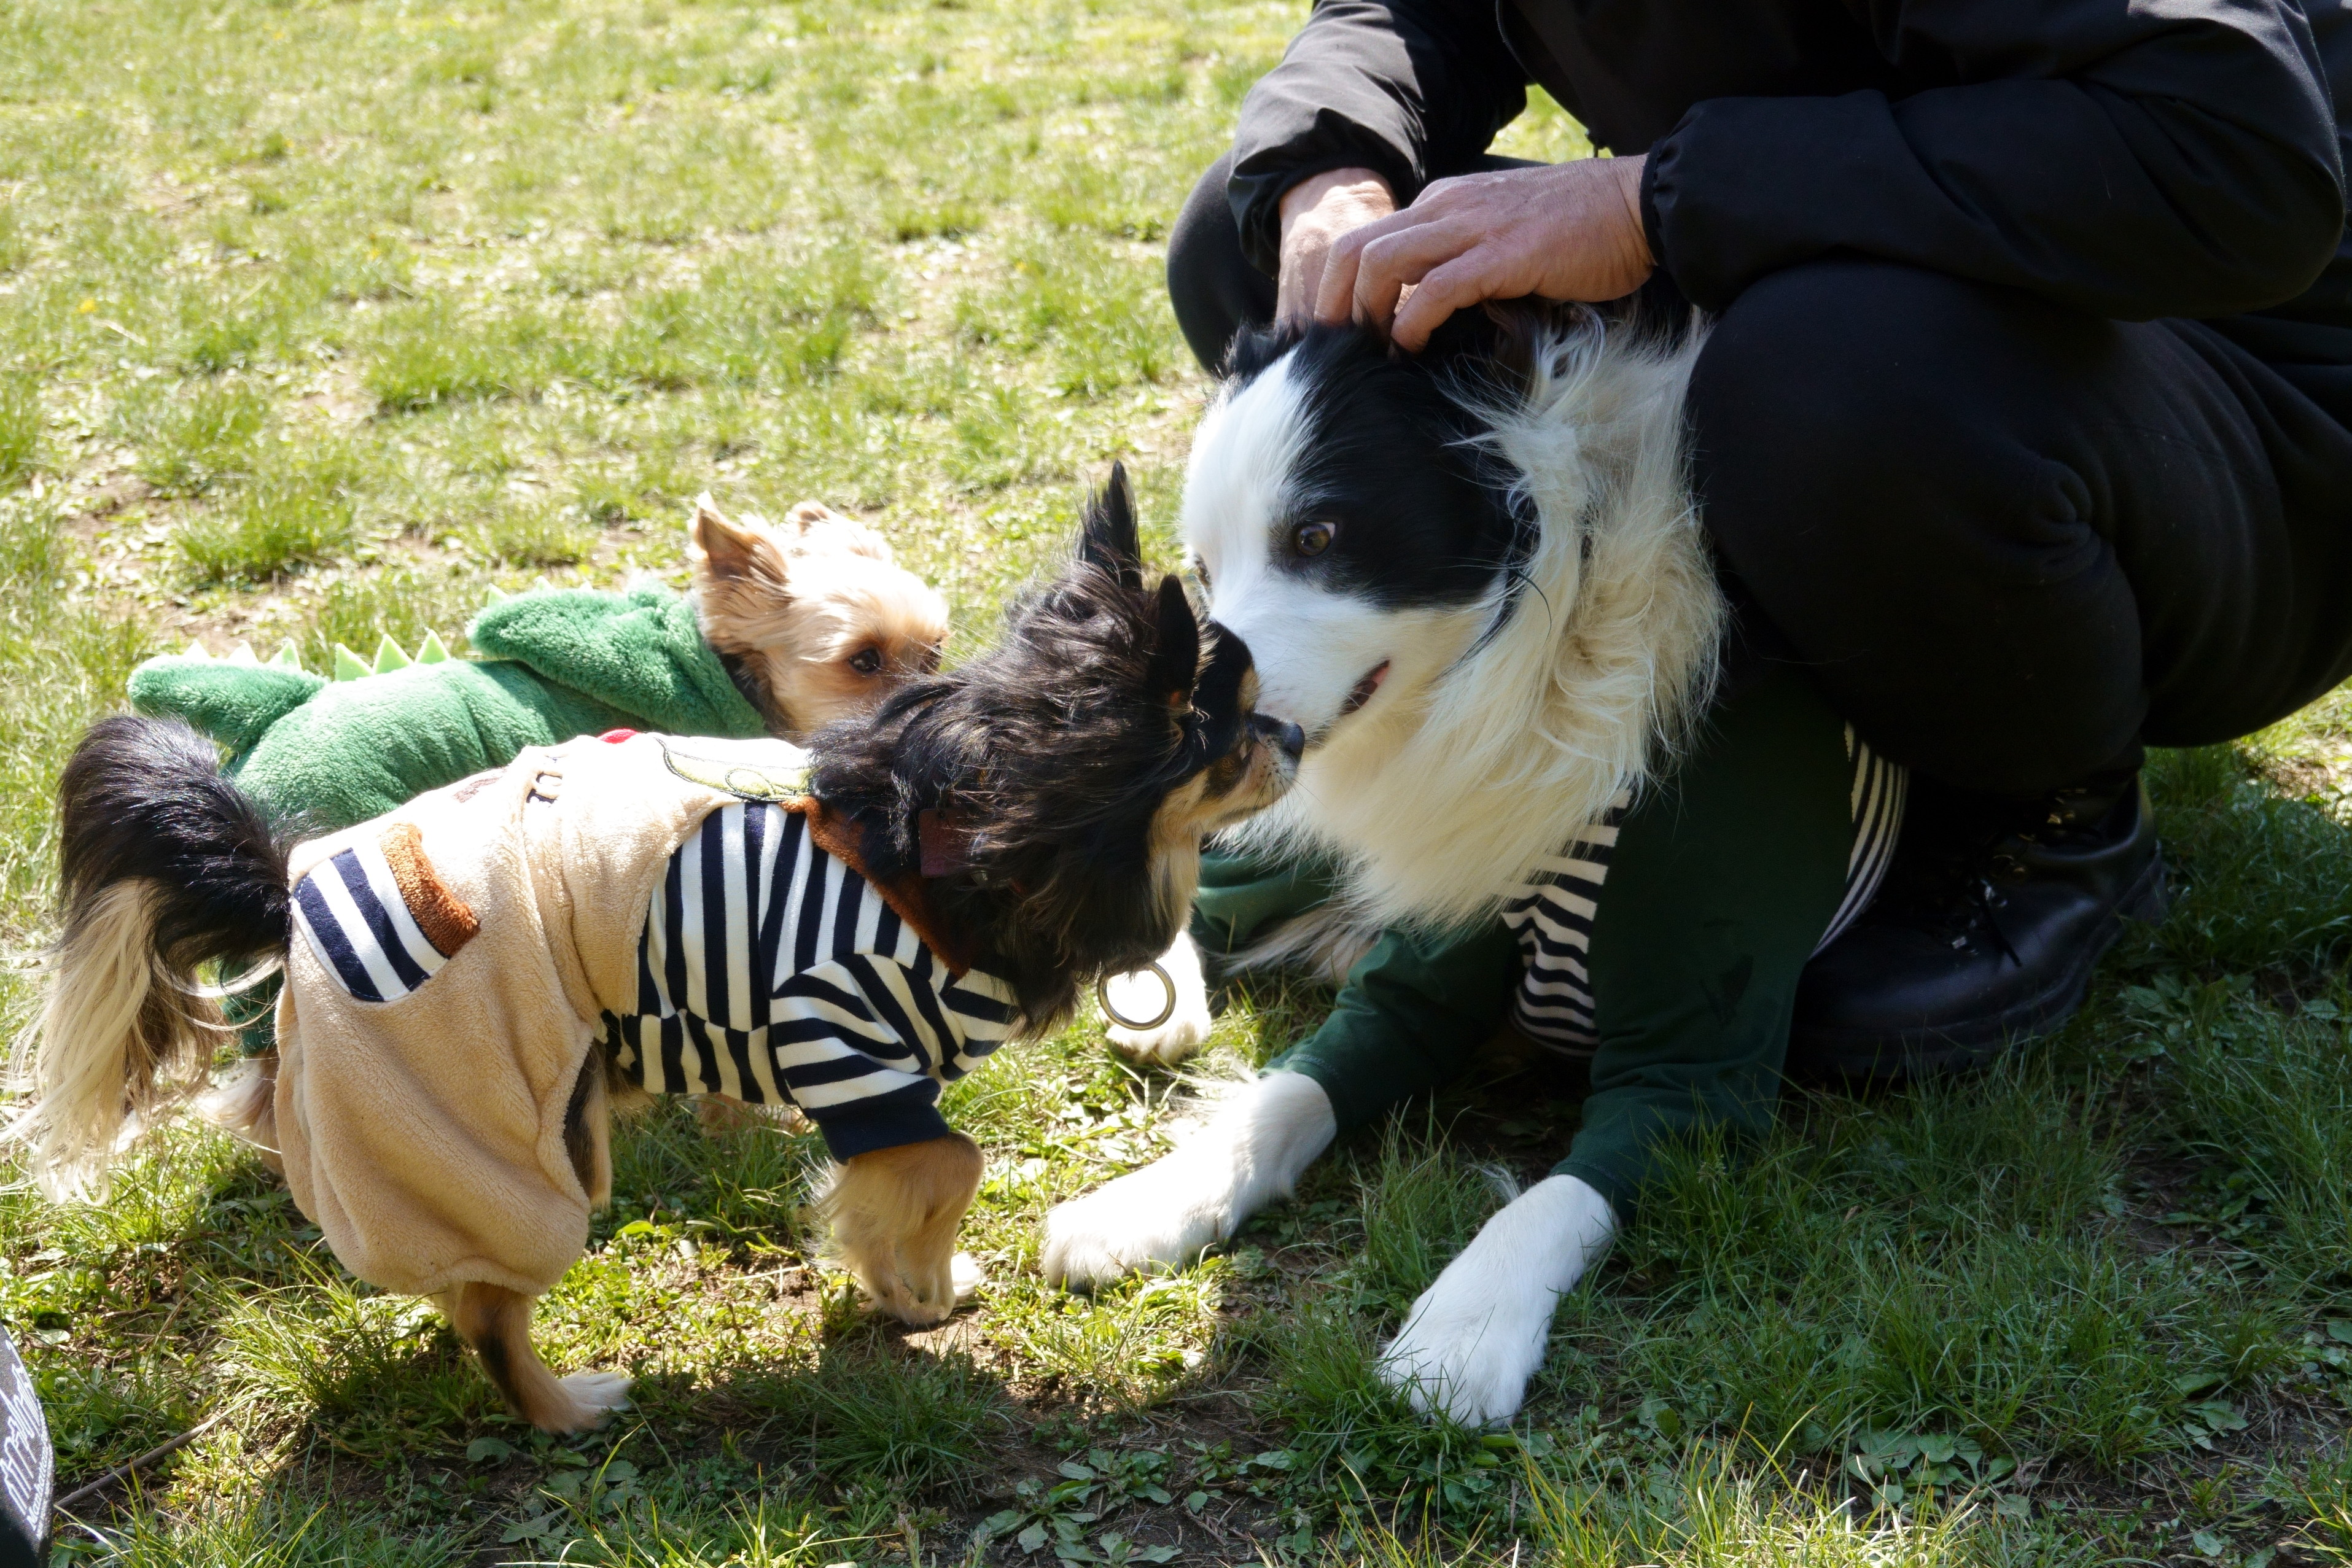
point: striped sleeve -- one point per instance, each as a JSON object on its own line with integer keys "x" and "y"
{"x": 983, "y": 1012}
{"x": 840, "y": 1057}
{"x": 1552, "y": 912}
{"x": 366, "y": 914}
{"x": 1880, "y": 792}
{"x": 770, "y": 971}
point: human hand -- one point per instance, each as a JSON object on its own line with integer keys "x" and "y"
{"x": 1563, "y": 231}
{"x": 1315, "y": 212}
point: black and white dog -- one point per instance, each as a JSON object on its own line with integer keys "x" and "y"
{"x": 1475, "y": 579}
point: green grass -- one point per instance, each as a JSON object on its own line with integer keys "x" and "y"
{"x": 319, "y": 320}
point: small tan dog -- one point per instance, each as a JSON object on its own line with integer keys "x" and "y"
{"x": 814, "y": 616}
{"x": 474, "y": 979}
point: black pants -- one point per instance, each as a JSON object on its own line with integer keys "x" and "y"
{"x": 2011, "y": 542}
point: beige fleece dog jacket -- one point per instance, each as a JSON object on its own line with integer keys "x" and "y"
{"x": 424, "y": 1135}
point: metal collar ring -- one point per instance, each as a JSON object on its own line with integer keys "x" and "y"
{"x": 1167, "y": 1011}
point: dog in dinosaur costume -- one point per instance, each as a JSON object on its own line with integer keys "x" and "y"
{"x": 786, "y": 629}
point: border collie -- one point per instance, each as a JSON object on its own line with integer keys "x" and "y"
{"x": 1475, "y": 577}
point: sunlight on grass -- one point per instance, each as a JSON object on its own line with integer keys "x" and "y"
{"x": 325, "y": 320}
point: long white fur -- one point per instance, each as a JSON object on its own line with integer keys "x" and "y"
{"x": 1475, "y": 760}
{"x": 76, "y": 1057}
{"x": 1246, "y": 1155}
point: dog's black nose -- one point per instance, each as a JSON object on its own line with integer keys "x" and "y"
{"x": 1293, "y": 741}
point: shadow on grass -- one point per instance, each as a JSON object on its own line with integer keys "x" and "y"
{"x": 1983, "y": 1265}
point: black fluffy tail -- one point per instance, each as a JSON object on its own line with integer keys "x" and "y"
{"x": 163, "y": 869}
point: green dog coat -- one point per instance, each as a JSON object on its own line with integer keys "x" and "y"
{"x": 554, "y": 664}
{"x": 1681, "y": 925}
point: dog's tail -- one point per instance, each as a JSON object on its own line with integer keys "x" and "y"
{"x": 164, "y": 868}
{"x": 1325, "y": 941}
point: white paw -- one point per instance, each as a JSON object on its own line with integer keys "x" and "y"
{"x": 1158, "y": 1217}
{"x": 1474, "y": 1337}
{"x": 596, "y": 1394}
{"x": 1249, "y": 1154}
{"x": 1468, "y": 1356}
{"x": 1143, "y": 994}
{"x": 967, "y": 1276}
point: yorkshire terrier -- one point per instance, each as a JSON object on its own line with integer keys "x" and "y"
{"x": 473, "y": 981}
{"x": 814, "y": 617}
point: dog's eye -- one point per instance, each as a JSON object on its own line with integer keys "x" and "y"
{"x": 1201, "y": 574}
{"x": 866, "y": 661}
{"x": 1311, "y": 538}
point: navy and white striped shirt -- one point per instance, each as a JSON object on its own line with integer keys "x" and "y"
{"x": 1554, "y": 909}
{"x": 768, "y": 970}
{"x": 773, "y": 972}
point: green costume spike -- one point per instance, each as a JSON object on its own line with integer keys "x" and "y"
{"x": 349, "y": 666}
{"x": 388, "y": 656}
{"x": 431, "y": 650}
{"x": 287, "y": 657}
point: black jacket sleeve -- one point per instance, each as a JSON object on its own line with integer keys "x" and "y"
{"x": 2131, "y": 161}
{"x": 1396, "y": 86}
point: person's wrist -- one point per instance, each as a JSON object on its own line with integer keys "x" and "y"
{"x": 1349, "y": 187}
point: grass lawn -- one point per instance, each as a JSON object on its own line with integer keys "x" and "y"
{"x": 320, "y": 319}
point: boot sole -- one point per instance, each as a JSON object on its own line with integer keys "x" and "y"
{"x": 1961, "y": 1047}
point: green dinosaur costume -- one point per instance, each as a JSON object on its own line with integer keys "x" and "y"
{"x": 556, "y": 664}
{"x": 333, "y": 753}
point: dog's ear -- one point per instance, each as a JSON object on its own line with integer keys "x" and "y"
{"x": 807, "y": 514}
{"x": 723, "y": 551}
{"x": 1108, "y": 539}
{"x": 1176, "y": 655}
{"x": 1498, "y": 342}
{"x": 817, "y": 526}
{"x": 1219, "y": 694}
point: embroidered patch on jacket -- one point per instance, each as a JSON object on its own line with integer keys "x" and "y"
{"x": 744, "y": 780}
{"x": 381, "y": 918}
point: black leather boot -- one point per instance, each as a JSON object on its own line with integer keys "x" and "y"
{"x": 1991, "y": 919}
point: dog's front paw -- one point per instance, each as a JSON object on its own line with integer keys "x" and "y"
{"x": 1466, "y": 1350}
{"x": 1144, "y": 994}
{"x": 1158, "y": 1217}
{"x": 1474, "y": 1337}
{"x": 924, "y": 1290}
{"x": 594, "y": 1396}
